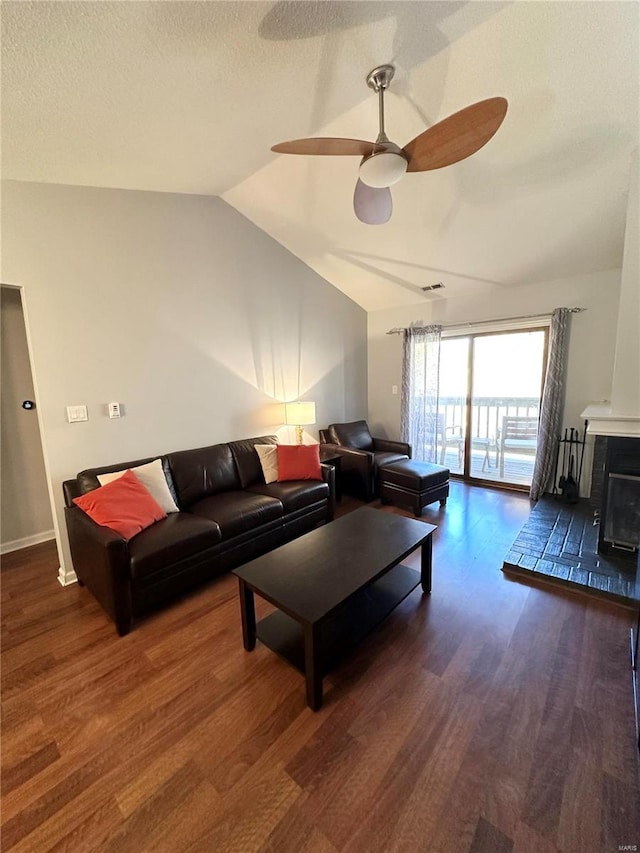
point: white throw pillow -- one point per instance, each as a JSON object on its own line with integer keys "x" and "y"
{"x": 152, "y": 478}
{"x": 268, "y": 454}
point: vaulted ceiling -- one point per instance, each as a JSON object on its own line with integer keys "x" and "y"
{"x": 188, "y": 97}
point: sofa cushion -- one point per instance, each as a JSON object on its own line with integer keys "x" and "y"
{"x": 268, "y": 455}
{"x": 152, "y": 478}
{"x": 178, "y": 537}
{"x": 237, "y": 512}
{"x": 124, "y": 505}
{"x": 247, "y": 461}
{"x": 294, "y": 494}
{"x": 355, "y": 434}
{"x": 202, "y": 472}
{"x": 298, "y": 462}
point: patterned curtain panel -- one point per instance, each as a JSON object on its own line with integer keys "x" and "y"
{"x": 552, "y": 403}
{"x": 420, "y": 371}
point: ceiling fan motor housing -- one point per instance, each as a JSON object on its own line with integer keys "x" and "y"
{"x": 383, "y": 168}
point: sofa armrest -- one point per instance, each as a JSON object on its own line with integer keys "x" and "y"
{"x": 352, "y": 459}
{"x": 101, "y": 562}
{"x": 329, "y": 477}
{"x": 386, "y": 446}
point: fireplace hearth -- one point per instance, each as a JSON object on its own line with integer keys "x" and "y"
{"x": 591, "y": 546}
{"x": 559, "y": 545}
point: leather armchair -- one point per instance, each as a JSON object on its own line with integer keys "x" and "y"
{"x": 362, "y": 455}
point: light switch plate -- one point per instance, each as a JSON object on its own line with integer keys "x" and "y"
{"x": 114, "y": 410}
{"x": 76, "y": 414}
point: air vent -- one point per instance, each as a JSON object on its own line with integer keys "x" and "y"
{"x": 438, "y": 286}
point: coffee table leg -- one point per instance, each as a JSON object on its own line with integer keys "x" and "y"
{"x": 248, "y": 612}
{"x": 312, "y": 671}
{"x": 425, "y": 565}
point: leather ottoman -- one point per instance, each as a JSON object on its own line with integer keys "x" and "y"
{"x": 413, "y": 483}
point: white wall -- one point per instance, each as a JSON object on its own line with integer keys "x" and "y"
{"x": 25, "y": 517}
{"x": 625, "y": 394}
{"x": 591, "y": 340}
{"x": 180, "y": 309}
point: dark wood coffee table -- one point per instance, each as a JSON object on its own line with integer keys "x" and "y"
{"x": 332, "y": 586}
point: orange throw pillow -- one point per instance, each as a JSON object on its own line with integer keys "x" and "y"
{"x": 124, "y": 505}
{"x": 298, "y": 462}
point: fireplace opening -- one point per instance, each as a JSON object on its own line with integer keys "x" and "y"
{"x": 619, "y": 495}
{"x": 622, "y": 526}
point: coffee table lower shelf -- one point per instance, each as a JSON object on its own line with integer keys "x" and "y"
{"x": 341, "y": 632}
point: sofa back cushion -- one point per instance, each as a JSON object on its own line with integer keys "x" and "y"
{"x": 203, "y": 472}
{"x": 247, "y": 459}
{"x": 355, "y": 434}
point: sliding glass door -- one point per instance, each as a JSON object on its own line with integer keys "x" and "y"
{"x": 490, "y": 388}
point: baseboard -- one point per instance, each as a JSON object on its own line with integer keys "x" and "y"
{"x": 66, "y": 576}
{"x": 27, "y": 541}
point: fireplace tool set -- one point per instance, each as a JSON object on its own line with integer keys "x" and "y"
{"x": 570, "y": 449}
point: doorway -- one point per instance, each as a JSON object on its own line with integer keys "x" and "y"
{"x": 489, "y": 404}
{"x": 26, "y": 517}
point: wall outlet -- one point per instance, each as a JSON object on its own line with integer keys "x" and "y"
{"x": 114, "y": 410}
{"x": 394, "y": 389}
{"x": 75, "y": 414}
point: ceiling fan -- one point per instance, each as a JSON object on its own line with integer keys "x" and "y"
{"x": 384, "y": 163}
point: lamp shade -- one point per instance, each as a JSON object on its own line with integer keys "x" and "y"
{"x": 297, "y": 414}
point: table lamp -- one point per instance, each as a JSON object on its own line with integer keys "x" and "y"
{"x": 299, "y": 415}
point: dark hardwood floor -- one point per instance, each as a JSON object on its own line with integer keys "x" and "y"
{"x": 490, "y": 717}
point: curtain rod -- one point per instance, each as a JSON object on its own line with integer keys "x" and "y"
{"x": 397, "y": 330}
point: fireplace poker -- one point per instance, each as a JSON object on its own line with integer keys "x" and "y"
{"x": 562, "y": 479}
{"x": 571, "y": 492}
{"x": 555, "y": 467}
{"x": 584, "y": 441}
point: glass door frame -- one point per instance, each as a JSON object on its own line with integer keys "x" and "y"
{"x": 466, "y": 476}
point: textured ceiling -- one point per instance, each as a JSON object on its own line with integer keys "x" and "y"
{"x": 189, "y": 97}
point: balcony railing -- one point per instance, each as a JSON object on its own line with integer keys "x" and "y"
{"x": 487, "y": 415}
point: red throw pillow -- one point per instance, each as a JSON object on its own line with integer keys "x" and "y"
{"x": 298, "y": 462}
{"x": 124, "y": 505}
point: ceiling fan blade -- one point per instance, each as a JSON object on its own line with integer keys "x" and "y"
{"x": 457, "y": 137}
{"x": 372, "y": 206}
{"x": 327, "y": 145}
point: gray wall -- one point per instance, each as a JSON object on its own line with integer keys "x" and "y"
{"x": 180, "y": 309}
{"x": 25, "y": 514}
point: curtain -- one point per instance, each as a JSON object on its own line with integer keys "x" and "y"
{"x": 420, "y": 372}
{"x": 552, "y": 403}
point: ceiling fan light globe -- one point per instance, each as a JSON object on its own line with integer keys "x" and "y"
{"x": 382, "y": 169}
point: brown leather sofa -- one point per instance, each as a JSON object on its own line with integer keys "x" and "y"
{"x": 228, "y": 515}
{"x": 361, "y": 456}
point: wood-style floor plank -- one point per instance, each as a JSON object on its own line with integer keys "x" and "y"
{"x": 489, "y": 717}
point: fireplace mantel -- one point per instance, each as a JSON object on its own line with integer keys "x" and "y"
{"x": 602, "y": 421}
